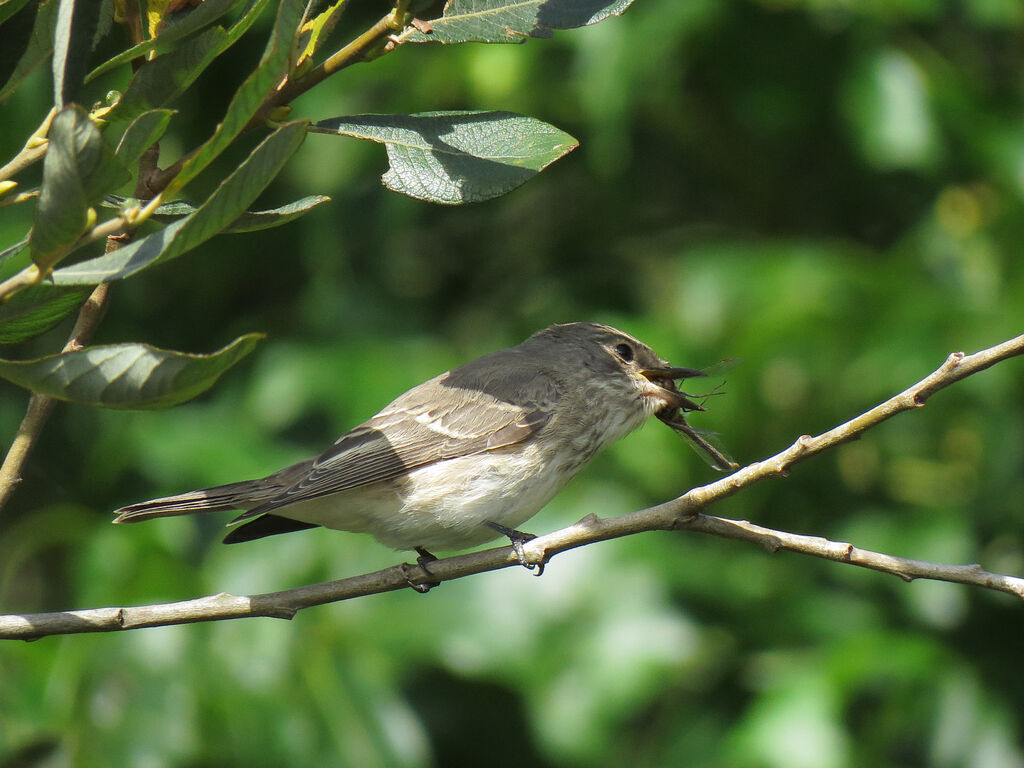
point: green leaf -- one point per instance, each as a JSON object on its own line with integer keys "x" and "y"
{"x": 37, "y": 309}
{"x": 253, "y": 221}
{"x": 457, "y": 157}
{"x": 223, "y": 207}
{"x": 77, "y": 21}
{"x": 174, "y": 28}
{"x": 79, "y": 169}
{"x": 132, "y": 376}
{"x": 512, "y": 21}
{"x": 166, "y": 77}
{"x": 40, "y": 45}
{"x": 250, "y": 221}
{"x": 10, "y": 8}
{"x": 241, "y": 26}
{"x": 13, "y": 250}
{"x": 252, "y": 93}
{"x": 316, "y": 31}
{"x": 141, "y": 134}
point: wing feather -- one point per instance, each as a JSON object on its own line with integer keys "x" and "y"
{"x": 415, "y": 431}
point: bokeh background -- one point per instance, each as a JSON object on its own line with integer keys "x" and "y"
{"x": 831, "y": 191}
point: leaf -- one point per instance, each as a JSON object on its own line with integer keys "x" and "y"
{"x": 253, "y": 221}
{"x": 15, "y": 34}
{"x": 141, "y": 134}
{"x": 457, "y": 157}
{"x": 11, "y": 8}
{"x": 13, "y": 250}
{"x": 223, "y": 207}
{"x": 132, "y": 376}
{"x": 174, "y": 28}
{"x": 252, "y": 93}
{"x": 77, "y": 21}
{"x": 250, "y": 221}
{"x": 40, "y": 45}
{"x": 512, "y": 21}
{"x": 79, "y": 169}
{"x": 36, "y": 309}
{"x": 166, "y": 77}
{"x": 316, "y": 31}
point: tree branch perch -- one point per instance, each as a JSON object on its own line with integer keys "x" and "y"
{"x": 683, "y": 514}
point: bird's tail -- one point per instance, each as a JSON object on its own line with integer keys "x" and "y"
{"x": 216, "y": 499}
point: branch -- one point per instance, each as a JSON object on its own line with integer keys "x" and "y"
{"x": 33, "y": 150}
{"x": 683, "y": 513}
{"x": 40, "y": 406}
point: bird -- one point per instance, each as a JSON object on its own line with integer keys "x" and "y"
{"x": 466, "y": 457}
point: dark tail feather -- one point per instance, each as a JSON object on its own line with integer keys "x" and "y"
{"x": 217, "y": 499}
{"x": 266, "y": 525}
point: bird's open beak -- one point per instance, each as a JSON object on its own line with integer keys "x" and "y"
{"x": 670, "y": 372}
{"x": 665, "y": 378}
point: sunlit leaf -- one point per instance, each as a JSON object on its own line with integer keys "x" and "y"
{"x": 223, "y": 207}
{"x": 316, "y": 30}
{"x": 512, "y": 21}
{"x": 457, "y": 157}
{"x": 131, "y": 376}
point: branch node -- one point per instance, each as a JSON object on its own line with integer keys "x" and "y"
{"x": 952, "y": 361}
{"x": 588, "y": 520}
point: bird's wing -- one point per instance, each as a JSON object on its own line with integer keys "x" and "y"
{"x": 412, "y": 433}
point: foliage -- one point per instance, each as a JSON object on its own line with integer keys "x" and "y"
{"x": 830, "y": 192}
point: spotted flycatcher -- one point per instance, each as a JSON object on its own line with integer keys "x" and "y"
{"x": 467, "y": 456}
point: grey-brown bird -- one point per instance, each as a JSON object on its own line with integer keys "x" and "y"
{"x": 467, "y": 456}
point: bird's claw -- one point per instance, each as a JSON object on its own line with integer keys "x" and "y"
{"x": 518, "y": 539}
{"x": 420, "y": 586}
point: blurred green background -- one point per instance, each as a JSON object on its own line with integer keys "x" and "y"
{"x": 831, "y": 191}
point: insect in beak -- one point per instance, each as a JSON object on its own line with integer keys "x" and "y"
{"x": 665, "y": 378}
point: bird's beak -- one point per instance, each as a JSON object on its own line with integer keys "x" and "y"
{"x": 670, "y": 372}
{"x": 665, "y": 378}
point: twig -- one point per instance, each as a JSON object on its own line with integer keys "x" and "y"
{"x": 683, "y": 513}
{"x": 33, "y": 150}
{"x": 111, "y": 229}
{"x": 353, "y": 53}
{"x": 40, "y": 406}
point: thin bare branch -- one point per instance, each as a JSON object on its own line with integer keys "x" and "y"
{"x": 40, "y": 406}
{"x": 681, "y": 514}
{"x": 33, "y": 150}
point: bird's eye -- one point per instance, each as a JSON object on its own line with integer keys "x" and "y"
{"x": 625, "y": 352}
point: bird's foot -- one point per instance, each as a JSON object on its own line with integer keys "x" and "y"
{"x": 518, "y": 538}
{"x": 421, "y": 586}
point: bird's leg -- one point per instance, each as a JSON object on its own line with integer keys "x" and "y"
{"x": 424, "y": 558}
{"x": 518, "y": 538}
